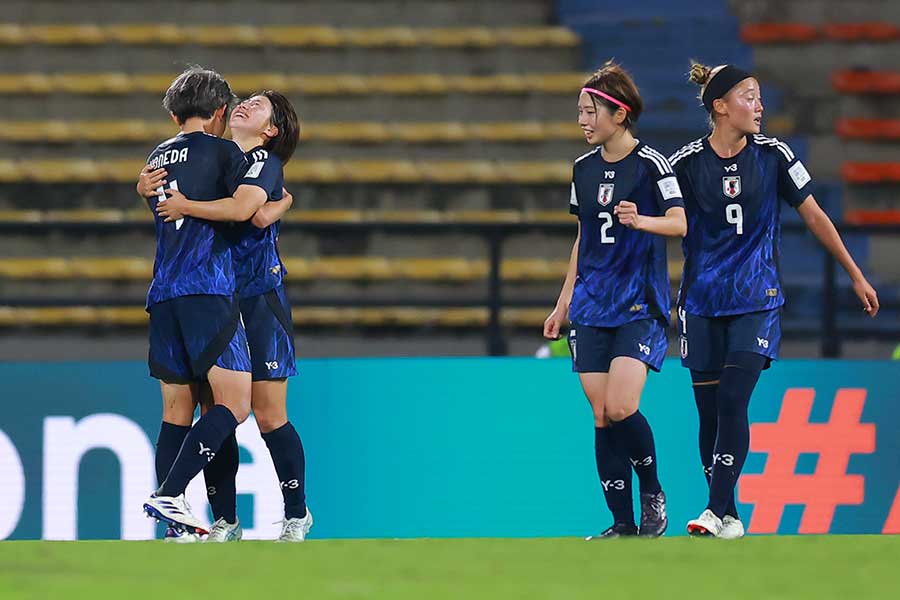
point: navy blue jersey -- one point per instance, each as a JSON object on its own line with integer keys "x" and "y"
{"x": 193, "y": 256}
{"x": 622, "y": 273}
{"x": 734, "y": 224}
{"x": 258, "y": 267}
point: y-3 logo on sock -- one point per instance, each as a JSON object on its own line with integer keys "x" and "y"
{"x": 616, "y": 484}
{"x": 725, "y": 459}
{"x": 211, "y": 490}
{"x": 207, "y": 452}
{"x": 293, "y": 484}
{"x": 642, "y": 462}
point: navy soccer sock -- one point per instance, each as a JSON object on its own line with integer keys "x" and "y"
{"x": 290, "y": 465}
{"x": 615, "y": 476}
{"x": 199, "y": 448}
{"x": 733, "y": 439}
{"x": 634, "y": 436}
{"x": 220, "y": 476}
{"x": 167, "y": 446}
{"x": 705, "y": 398}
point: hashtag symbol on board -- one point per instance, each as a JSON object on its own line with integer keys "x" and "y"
{"x": 820, "y": 493}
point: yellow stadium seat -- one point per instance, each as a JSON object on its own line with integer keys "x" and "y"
{"x": 26, "y": 83}
{"x": 379, "y": 171}
{"x": 459, "y": 37}
{"x": 533, "y": 269}
{"x": 563, "y": 131}
{"x": 438, "y": 269}
{"x": 328, "y": 85}
{"x": 34, "y": 268}
{"x": 84, "y": 215}
{"x": 12, "y": 34}
{"x": 394, "y": 37}
{"x": 355, "y": 132}
{"x": 535, "y": 172}
{"x": 524, "y": 317}
{"x": 487, "y": 84}
{"x": 419, "y": 133}
{"x": 405, "y": 216}
{"x": 408, "y": 84}
{"x": 324, "y": 216}
{"x": 223, "y": 35}
{"x": 302, "y": 36}
{"x": 508, "y": 132}
{"x": 351, "y": 268}
{"x": 66, "y": 35}
{"x": 245, "y": 84}
{"x": 462, "y": 317}
{"x": 156, "y": 83}
{"x": 112, "y": 268}
{"x": 536, "y": 37}
{"x": 93, "y": 83}
{"x": 140, "y": 34}
{"x": 298, "y": 269}
{"x": 21, "y": 216}
{"x": 483, "y": 216}
{"x": 471, "y": 171}
{"x": 555, "y": 83}
{"x": 550, "y": 216}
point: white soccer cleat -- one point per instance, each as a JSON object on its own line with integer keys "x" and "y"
{"x": 223, "y": 531}
{"x": 706, "y": 525}
{"x": 173, "y": 536}
{"x": 295, "y": 530}
{"x": 174, "y": 511}
{"x": 732, "y": 528}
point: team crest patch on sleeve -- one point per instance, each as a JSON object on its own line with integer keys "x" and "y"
{"x": 731, "y": 186}
{"x": 254, "y": 170}
{"x": 605, "y": 194}
{"x": 669, "y": 188}
{"x": 799, "y": 175}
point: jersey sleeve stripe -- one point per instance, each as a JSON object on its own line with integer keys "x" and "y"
{"x": 586, "y": 154}
{"x": 661, "y": 166}
{"x": 664, "y": 160}
{"x": 573, "y": 199}
{"x": 782, "y": 146}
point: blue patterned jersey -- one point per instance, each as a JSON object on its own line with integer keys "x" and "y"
{"x": 193, "y": 256}
{"x": 734, "y": 224}
{"x": 258, "y": 267}
{"x": 622, "y": 273}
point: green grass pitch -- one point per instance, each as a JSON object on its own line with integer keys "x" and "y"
{"x": 789, "y": 567}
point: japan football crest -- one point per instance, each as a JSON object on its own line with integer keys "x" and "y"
{"x": 731, "y": 186}
{"x": 605, "y": 195}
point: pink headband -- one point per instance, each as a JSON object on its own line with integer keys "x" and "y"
{"x": 608, "y": 97}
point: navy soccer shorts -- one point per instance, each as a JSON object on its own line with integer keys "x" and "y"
{"x": 707, "y": 341}
{"x": 594, "y": 348}
{"x": 190, "y": 334}
{"x": 270, "y": 333}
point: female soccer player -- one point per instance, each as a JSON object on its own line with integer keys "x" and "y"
{"x": 616, "y": 292}
{"x": 731, "y": 295}
{"x": 267, "y": 128}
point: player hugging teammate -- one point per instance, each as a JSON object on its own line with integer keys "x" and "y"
{"x": 239, "y": 214}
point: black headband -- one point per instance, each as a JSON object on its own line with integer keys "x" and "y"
{"x": 721, "y": 83}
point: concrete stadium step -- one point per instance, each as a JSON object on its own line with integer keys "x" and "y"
{"x": 318, "y": 60}
{"x": 338, "y": 13}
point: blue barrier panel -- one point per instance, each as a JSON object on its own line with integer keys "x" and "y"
{"x": 449, "y": 447}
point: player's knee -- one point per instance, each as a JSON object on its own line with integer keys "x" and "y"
{"x": 616, "y": 411}
{"x": 269, "y": 419}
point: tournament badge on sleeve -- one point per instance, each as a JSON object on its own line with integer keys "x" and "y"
{"x": 731, "y": 186}
{"x": 605, "y": 195}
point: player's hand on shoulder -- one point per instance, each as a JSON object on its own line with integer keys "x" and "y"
{"x": 867, "y": 295}
{"x": 150, "y": 180}
{"x": 628, "y": 214}
{"x": 554, "y": 323}
{"x": 173, "y": 207}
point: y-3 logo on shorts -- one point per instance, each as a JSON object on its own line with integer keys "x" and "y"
{"x": 645, "y": 350}
{"x": 614, "y": 484}
{"x": 207, "y": 452}
{"x": 763, "y": 343}
{"x": 272, "y": 365}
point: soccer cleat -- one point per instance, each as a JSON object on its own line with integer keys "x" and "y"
{"x": 295, "y": 530}
{"x": 653, "y": 515}
{"x": 706, "y": 525}
{"x": 173, "y": 536}
{"x": 618, "y": 530}
{"x": 174, "y": 511}
{"x": 223, "y": 531}
{"x": 732, "y": 528}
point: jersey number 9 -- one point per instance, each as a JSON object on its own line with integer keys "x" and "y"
{"x": 734, "y": 214}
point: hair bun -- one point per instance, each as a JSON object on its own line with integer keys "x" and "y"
{"x": 700, "y": 74}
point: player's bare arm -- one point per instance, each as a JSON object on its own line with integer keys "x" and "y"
{"x": 672, "y": 224}
{"x": 271, "y": 212}
{"x": 242, "y": 206}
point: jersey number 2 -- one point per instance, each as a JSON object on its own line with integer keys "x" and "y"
{"x": 607, "y": 219}
{"x": 173, "y": 185}
{"x": 734, "y": 214}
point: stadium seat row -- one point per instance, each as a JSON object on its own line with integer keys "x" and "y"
{"x": 318, "y": 85}
{"x": 338, "y": 216}
{"x": 867, "y": 82}
{"x": 309, "y": 171}
{"x": 125, "y": 131}
{"x": 345, "y": 268}
{"x": 873, "y": 216}
{"x": 865, "y": 173}
{"x": 869, "y": 129}
{"x": 81, "y": 316}
{"x": 316, "y": 36}
{"x": 798, "y": 33}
